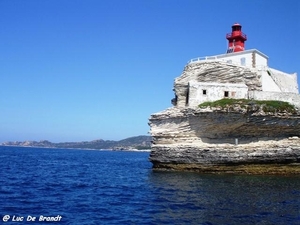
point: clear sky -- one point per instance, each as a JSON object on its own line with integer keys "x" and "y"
{"x": 75, "y": 70}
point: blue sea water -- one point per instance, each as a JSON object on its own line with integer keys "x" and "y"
{"x": 114, "y": 187}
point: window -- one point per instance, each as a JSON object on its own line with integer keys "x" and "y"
{"x": 233, "y": 94}
{"x": 230, "y": 50}
{"x": 226, "y": 94}
{"x": 243, "y": 61}
{"x": 204, "y": 92}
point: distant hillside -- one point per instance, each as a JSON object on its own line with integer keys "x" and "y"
{"x": 137, "y": 142}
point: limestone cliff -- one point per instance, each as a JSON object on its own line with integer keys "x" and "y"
{"x": 216, "y": 140}
{"x": 215, "y": 71}
{"x": 234, "y": 139}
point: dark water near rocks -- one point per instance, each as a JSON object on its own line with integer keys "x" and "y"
{"x": 106, "y": 187}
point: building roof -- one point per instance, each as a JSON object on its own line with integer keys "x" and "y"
{"x": 243, "y": 52}
{"x": 214, "y": 57}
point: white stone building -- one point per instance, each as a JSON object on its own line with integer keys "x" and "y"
{"x": 236, "y": 74}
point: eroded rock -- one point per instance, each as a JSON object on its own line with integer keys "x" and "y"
{"x": 211, "y": 140}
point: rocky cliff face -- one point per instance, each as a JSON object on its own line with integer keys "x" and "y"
{"x": 231, "y": 139}
{"x": 215, "y": 71}
{"x": 223, "y": 140}
{"x": 221, "y": 72}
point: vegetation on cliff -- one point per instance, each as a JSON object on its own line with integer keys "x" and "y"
{"x": 267, "y": 106}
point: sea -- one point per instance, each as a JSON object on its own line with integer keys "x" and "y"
{"x": 72, "y": 186}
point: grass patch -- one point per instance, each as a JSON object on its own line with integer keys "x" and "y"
{"x": 265, "y": 105}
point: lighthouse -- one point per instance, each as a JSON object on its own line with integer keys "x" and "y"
{"x": 252, "y": 79}
{"x": 236, "y": 39}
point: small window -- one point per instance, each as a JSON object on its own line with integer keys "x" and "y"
{"x": 243, "y": 61}
{"x": 233, "y": 94}
{"x": 204, "y": 92}
{"x": 226, "y": 94}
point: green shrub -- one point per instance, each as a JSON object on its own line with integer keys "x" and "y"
{"x": 266, "y": 105}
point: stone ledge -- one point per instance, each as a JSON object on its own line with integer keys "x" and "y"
{"x": 259, "y": 169}
{"x": 267, "y": 157}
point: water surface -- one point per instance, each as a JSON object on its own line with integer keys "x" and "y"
{"x": 111, "y": 187}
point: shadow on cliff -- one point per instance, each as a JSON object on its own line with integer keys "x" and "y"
{"x": 229, "y": 127}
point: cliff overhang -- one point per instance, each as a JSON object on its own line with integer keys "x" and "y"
{"x": 230, "y": 139}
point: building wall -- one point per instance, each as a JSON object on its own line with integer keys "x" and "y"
{"x": 260, "y": 61}
{"x": 278, "y": 81}
{"x": 239, "y": 59}
{"x": 286, "y": 82}
{"x": 250, "y": 58}
{"x": 268, "y": 84}
{"x": 292, "y": 98}
{"x": 200, "y": 92}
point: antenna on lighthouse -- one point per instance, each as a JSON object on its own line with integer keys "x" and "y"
{"x": 236, "y": 39}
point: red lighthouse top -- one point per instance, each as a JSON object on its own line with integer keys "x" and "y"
{"x": 236, "y": 39}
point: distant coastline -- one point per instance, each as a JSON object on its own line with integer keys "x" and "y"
{"x": 136, "y": 143}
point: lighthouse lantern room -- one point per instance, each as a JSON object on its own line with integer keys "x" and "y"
{"x": 236, "y": 39}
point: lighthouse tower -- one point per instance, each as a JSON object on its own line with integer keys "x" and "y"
{"x": 236, "y": 39}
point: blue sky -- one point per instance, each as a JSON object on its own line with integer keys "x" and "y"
{"x": 74, "y": 70}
